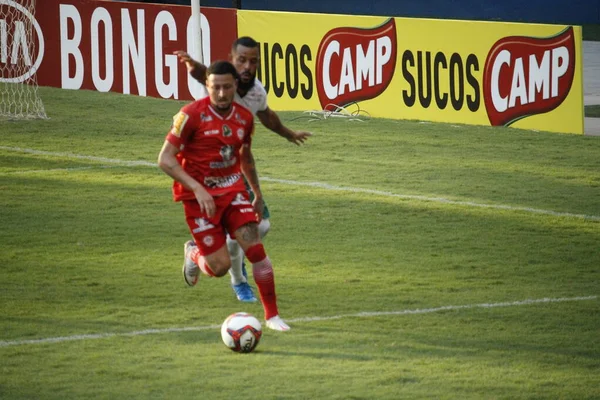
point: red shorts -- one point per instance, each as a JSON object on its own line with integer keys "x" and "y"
{"x": 233, "y": 211}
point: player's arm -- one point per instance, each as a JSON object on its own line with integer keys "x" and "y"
{"x": 249, "y": 170}
{"x": 167, "y": 161}
{"x": 196, "y": 69}
{"x": 271, "y": 120}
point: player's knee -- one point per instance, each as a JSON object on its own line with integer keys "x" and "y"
{"x": 220, "y": 271}
{"x": 220, "y": 266}
{"x": 264, "y": 227}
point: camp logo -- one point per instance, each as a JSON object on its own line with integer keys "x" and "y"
{"x": 525, "y": 76}
{"x": 355, "y": 64}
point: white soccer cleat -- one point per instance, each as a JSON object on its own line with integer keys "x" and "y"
{"x": 277, "y": 324}
{"x": 190, "y": 270}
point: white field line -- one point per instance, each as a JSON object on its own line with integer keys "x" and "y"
{"x": 433, "y": 199}
{"x": 103, "y": 160}
{"x": 326, "y": 186}
{"x": 39, "y": 171}
{"x": 62, "y": 339}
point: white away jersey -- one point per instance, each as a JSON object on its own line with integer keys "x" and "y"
{"x": 255, "y": 100}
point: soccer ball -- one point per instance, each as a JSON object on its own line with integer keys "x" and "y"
{"x": 241, "y": 332}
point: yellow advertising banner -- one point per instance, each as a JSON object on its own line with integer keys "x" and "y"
{"x": 526, "y": 76}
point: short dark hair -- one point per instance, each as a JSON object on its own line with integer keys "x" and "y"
{"x": 245, "y": 41}
{"x": 222, "y": 68}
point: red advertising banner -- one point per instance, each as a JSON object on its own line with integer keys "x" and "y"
{"x": 124, "y": 47}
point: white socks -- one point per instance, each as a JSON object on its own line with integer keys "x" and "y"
{"x": 237, "y": 257}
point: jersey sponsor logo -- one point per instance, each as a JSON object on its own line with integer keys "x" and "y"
{"x": 223, "y": 164}
{"x": 215, "y": 182}
{"x": 205, "y": 118}
{"x": 211, "y": 132}
{"x": 227, "y": 152}
{"x": 179, "y": 121}
{"x": 226, "y": 131}
{"x": 229, "y": 159}
{"x": 203, "y": 225}
{"x": 247, "y": 210}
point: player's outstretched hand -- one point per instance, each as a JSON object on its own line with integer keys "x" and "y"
{"x": 194, "y": 68}
{"x": 299, "y": 138}
{"x": 184, "y": 57}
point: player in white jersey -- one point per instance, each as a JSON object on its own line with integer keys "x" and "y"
{"x": 251, "y": 94}
{"x": 255, "y": 99}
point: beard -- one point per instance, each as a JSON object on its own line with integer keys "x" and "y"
{"x": 245, "y": 86}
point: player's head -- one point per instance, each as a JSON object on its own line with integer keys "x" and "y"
{"x": 245, "y": 58}
{"x": 221, "y": 84}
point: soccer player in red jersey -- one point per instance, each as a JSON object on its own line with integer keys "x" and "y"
{"x": 251, "y": 93}
{"x": 206, "y": 152}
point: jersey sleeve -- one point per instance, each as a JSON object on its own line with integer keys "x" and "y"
{"x": 262, "y": 103}
{"x": 181, "y": 129}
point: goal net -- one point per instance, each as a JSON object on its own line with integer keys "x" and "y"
{"x": 21, "y": 49}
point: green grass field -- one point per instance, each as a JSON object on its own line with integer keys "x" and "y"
{"x": 412, "y": 260}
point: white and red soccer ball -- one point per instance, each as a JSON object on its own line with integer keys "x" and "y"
{"x": 241, "y": 332}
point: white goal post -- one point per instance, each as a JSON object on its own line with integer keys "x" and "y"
{"x": 197, "y": 31}
{"x": 21, "y": 50}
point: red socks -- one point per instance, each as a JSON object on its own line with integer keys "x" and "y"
{"x": 262, "y": 270}
{"x": 199, "y": 260}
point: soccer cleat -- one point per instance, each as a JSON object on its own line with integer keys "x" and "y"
{"x": 190, "y": 270}
{"x": 277, "y": 324}
{"x": 244, "y": 293}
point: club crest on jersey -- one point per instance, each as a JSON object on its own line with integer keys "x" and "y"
{"x": 240, "y": 133}
{"x": 226, "y": 131}
{"x": 203, "y": 225}
{"x": 179, "y": 121}
{"x": 208, "y": 240}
